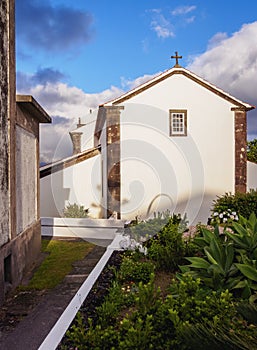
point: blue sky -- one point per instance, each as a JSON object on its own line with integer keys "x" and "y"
{"x": 74, "y": 55}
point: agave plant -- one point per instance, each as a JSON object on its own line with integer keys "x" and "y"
{"x": 217, "y": 267}
{"x": 245, "y": 236}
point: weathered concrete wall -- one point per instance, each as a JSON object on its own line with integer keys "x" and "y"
{"x": 23, "y": 250}
{"x": 4, "y": 161}
{"x": 251, "y": 176}
{"x": 26, "y": 179}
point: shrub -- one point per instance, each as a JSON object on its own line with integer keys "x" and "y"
{"x": 241, "y": 203}
{"x": 167, "y": 248}
{"x": 75, "y": 211}
{"x": 136, "y": 271}
{"x": 146, "y": 229}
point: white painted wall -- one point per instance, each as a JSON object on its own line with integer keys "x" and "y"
{"x": 183, "y": 174}
{"x": 87, "y": 138}
{"x": 79, "y": 184}
{"x": 26, "y": 178}
{"x": 251, "y": 176}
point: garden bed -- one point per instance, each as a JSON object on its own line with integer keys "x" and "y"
{"x": 185, "y": 293}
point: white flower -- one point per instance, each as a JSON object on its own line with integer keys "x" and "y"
{"x": 221, "y": 216}
{"x": 215, "y": 214}
{"x": 234, "y": 213}
{"x": 225, "y": 220}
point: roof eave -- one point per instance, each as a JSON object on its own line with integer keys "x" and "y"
{"x": 33, "y": 107}
{"x": 190, "y": 75}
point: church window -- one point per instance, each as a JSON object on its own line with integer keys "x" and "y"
{"x": 178, "y": 122}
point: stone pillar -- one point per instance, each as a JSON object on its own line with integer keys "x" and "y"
{"x": 240, "y": 150}
{"x": 7, "y": 121}
{"x": 112, "y": 114}
{"x": 76, "y": 141}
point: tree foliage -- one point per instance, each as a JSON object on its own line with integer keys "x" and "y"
{"x": 252, "y": 151}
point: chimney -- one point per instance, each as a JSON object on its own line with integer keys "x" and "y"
{"x": 76, "y": 141}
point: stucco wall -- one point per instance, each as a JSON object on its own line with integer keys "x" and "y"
{"x": 26, "y": 178}
{"x": 183, "y": 174}
{"x": 251, "y": 176}
{"x": 80, "y": 183}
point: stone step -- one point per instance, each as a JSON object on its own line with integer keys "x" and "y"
{"x": 86, "y": 262}
{"x": 71, "y": 279}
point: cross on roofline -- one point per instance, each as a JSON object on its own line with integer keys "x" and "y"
{"x": 177, "y": 57}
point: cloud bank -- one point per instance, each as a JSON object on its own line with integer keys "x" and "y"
{"x": 64, "y": 103}
{"x": 231, "y": 63}
{"x": 54, "y": 28}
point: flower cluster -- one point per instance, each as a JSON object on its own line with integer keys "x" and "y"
{"x": 128, "y": 243}
{"x": 224, "y": 217}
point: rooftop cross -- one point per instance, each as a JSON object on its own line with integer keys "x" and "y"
{"x": 176, "y": 57}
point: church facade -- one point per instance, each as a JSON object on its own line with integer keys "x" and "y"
{"x": 173, "y": 143}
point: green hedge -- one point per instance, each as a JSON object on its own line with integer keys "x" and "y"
{"x": 243, "y": 204}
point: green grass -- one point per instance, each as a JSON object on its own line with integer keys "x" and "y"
{"x": 58, "y": 263}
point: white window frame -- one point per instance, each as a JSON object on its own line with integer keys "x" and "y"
{"x": 178, "y": 122}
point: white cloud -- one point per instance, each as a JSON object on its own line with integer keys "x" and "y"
{"x": 131, "y": 84}
{"x": 216, "y": 40}
{"x": 65, "y": 105}
{"x": 190, "y": 19}
{"x": 183, "y": 10}
{"x": 161, "y": 25}
{"x": 162, "y": 31}
{"x": 231, "y": 63}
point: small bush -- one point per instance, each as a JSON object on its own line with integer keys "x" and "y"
{"x": 75, "y": 211}
{"x": 241, "y": 203}
{"x": 167, "y": 248}
{"x": 135, "y": 271}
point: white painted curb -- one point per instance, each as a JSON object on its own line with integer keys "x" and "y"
{"x": 57, "y": 332}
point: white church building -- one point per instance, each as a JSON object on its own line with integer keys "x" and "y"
{"x": 175, "y": 142}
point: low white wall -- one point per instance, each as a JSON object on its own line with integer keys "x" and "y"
{"x": 251, "y": 176}
{"x": 98, "y": 231}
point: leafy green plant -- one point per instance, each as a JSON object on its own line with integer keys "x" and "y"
{"x": 167, "y": 248}
{"x": 136, "y": 271}
{"x": 75, "y": 211}
{"x": 245, "y": 236}
{"x": 216, "y": 267}
{"x": 147, "y": 229}
{"x": 213, "y": 337}
{"x": 241, "y": 203}
{"x": 147, "y": 298}
{"x": 252, "y": 151}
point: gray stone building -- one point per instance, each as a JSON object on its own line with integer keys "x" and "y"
{"x": 20, "y": 115}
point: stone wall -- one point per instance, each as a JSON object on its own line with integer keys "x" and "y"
{"x": 4, "y": 160}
